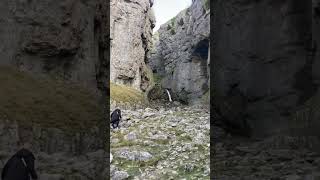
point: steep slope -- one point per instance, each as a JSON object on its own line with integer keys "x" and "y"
{"x": 180, "y": 53}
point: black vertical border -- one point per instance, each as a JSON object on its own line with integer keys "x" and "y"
{"x": 102, "y": 33}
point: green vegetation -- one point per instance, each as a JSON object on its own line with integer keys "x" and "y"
{"x": 171, "y": 26}
{"x": 50, "y": 103}
{"x": 206, "y": 98}
{"x": 122, "y": 93}
{"x": 157, "y": 78}
{"x": 173, "y": 32}
{"x": 156, "y": 91}
{"x": 184, "y": 138}
{"x": 206, "y": 5}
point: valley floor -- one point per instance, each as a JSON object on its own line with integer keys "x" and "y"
{"x": 168, "y": 143}
{"x": 275, "y": 158}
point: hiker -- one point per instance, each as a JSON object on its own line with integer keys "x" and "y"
{"x": 115, "y": 118}
{"x": 20, "y": 166}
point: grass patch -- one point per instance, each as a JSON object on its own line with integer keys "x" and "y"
{"x": 162, "y": 141}
{"x": 184, "y": 138}
{"x": 132, "y": 167}
{"x": 172, "y": 25}
{"x": 50, "y": 103}
{"x": 121, "y": 93}
{"x": 206, "y": 98}
{"x": 178, "y": 132}
{"x": 157, "y": 78}
{"x": 196, "y": 173}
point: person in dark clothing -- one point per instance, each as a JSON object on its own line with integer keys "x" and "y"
{"x": 115, "y": 118}
{"x": 20, "y": 166}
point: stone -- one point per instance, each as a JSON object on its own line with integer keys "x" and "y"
{"x": 134, "y": 155}
{"x": 131, "y": 136}
{"x": 180, "y": 53}
{"x": 265, "y": 85}
{"x": 131, "y": 30}
{"x": 120, "y": 175}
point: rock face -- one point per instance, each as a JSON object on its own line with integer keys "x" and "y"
{"x": 60, "y": 38}
{"x": 266, "y": 62}
{"x": 59, "y": 154}
{"x": 131, "y": 33}
{"x": 180, "y": 53}
{"x": 66, "y": 40}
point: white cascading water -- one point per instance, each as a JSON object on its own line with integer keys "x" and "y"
{"x": 169, "y": 95}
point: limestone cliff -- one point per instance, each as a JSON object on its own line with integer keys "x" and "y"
{"x": 52, "y": 37}
{"x": 45, "y": 43}
{"x": 131, "y": 33}
{"x": 180, "y": 53}
{"x": 266, "y": 61}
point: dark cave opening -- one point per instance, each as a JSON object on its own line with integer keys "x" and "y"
{"x": 202, "y": 49}
{"x": 200, "y": 56}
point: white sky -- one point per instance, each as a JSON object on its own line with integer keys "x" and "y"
{"x": 164, "y": 10}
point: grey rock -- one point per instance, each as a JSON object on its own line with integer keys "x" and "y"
{"x": 265, "y": 82}
{"x": 180, "y": 53}
{"x": 56, "y": 38}
{"x": 131, "y": 136}
{"x": 131, "y": 26}
{"x": 134, "y": 155}
{"x": 120, "y": 175}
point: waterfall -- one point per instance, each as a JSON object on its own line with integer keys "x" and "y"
{"x": 169, "y": 95}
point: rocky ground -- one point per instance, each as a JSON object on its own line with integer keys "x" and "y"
{"x": 276, "y": 158}
{"x": 162, "y": 143}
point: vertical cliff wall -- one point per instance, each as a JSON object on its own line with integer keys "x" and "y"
{"x": 265, "y": 61}
{"x": 55, "y": 38}
{"x": 54, "y": 64}
{"x": 131, "y": 33}
{"x": 180, "y": 53}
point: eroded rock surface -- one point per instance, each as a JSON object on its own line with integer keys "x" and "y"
{"x": 131, "y": 33}
{"x": 65, "y": 40}
{"x": 265, "y": 61}
{"x": 60, "y": 38}
{"x": 180, "y": 53}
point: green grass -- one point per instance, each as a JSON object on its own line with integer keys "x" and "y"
{"x": 172, "y": 25}
{"x": 206, "y": 98}
{"x": 121, "y": 93}
{"x": 50, "y": 103}
{"x": 185, "y": 138}
{"x": 157, "y": 78}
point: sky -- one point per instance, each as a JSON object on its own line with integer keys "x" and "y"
{"x": 164, "y": 10}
